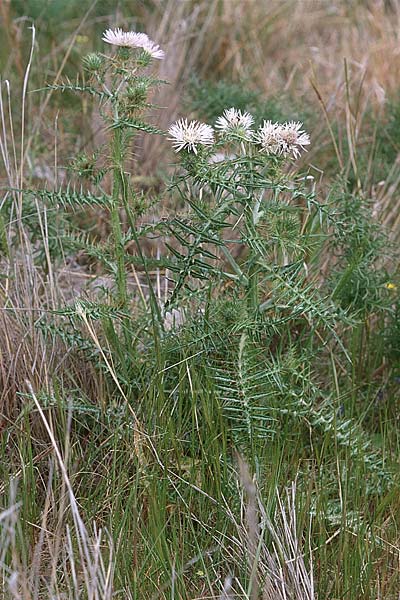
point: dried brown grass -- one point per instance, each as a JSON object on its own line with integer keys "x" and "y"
{"x": 281, "y": 45}
{"x": 293, "y": 47}
{"x": 27, "y": 291}
{"x": 335, "y": 59}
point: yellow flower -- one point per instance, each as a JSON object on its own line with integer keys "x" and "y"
{"x": 390, "y": 286}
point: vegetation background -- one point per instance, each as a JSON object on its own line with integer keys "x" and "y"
{"x": 200, "y": 456}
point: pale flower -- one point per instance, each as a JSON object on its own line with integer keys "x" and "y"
{"x": 133, "y": 39}
{"x": 285, "y": 139}
{"x": 269, "y": 138}
{"x": 127, "y": 39}
{"x": 153, "y": 49}
{"x": 293, "y": 139}
{"x": 237, "y": 122}
{"x": 189, "y": 135}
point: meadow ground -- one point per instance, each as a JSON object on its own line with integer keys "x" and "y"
{"x": 199, "y": 299}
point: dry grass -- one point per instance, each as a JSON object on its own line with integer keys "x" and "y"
{"x": 347, "y": 51}
{"x": 319, "y": 53}
{"x": 281, "y": 45}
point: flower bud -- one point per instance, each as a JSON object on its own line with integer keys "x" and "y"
{"x": 92, "y": 62}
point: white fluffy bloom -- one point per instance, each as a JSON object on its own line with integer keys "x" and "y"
{"x": 153, "y": 49}
{"x": 293, "y": 139}
{"x": 189, "y": 135}
{"x": 268, "y": 137}
{"x": 285, "y": 139}
{"x": 128, "y": 39}
{"x": 237, "y": 122}
{"x": 133, "y": 39}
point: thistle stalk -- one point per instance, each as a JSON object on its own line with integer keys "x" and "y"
{"x": 118, "y": 153}
{"x": 252, "y": 217}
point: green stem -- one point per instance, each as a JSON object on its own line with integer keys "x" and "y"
{"x": 252, "y": 218}
{"x": 252, "y": 288}
{"x": 156, "y": 314}
{"x": 118, "y": 157}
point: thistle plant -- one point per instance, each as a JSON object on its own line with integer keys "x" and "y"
{"x": 122, "y": 82}
{"x": 251, "y": 224}
{"x": 243, "y": 171}
{"x": 256, "y": 223}
{"x": 127, "y": 98}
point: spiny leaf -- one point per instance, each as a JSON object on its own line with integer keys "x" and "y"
{"x": 71, "y": 198}
{"x": 136, "y": 124}
{"x": 74, "y": 87}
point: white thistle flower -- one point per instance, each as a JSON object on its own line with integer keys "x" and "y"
{"x": 293, "y": 139}
{"x": 237, "y": 122}
{"x": 127, "y": 39}
{"x": 269, "y": 138}
{"x": 153, "y": 49}
{"x": 133, "y": 39}
{"x": 285, "y": 139}
{"x": 189, "y": 135}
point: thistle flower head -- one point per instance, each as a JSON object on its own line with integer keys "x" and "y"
{"x": 133, "y": 39}
{"x": 189, "y": 135}
{"x": 126, "y": 39}
{"x": 92, "y": 62}
{"x": 234, "y": 121}
{"x": 268, "y": 137}
{"x": 293, "y": 139}
{"x": 153, "y": 49}
{"x": 285, "y": 139}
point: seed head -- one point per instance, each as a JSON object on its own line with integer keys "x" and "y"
{"x": 285, "y": 139}
{"x": 133, "y": 39}
{"x": 153, "y": 49}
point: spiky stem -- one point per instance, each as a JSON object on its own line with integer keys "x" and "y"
{"x": 118, "y": 152}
